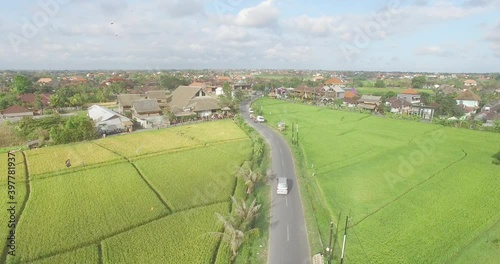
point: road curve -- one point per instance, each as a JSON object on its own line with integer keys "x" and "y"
{"x": 288, "y": 233}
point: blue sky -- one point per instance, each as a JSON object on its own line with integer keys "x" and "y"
{"x": 392, "y": 35}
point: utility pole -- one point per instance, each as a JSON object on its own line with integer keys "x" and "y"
{"x": 330, "y": 249}
{"x": 343, "y": 243}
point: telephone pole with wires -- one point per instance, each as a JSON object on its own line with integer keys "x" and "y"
{"x": 343, "y": 243}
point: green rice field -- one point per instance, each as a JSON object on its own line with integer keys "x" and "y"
{"x": 148, "y": 197}
{"x": 414, "y": 192}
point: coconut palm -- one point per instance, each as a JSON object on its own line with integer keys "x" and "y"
{"x": 233, "y": 236}
{"x": 245, "y": 214}
{"x": 250, "y": 176}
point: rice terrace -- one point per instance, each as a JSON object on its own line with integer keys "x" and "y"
{"x": 148, "y": 197}
{"x": 414, "y": 193}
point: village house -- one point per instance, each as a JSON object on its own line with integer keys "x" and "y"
{"x": 335, "y": 82}
{"x": 410, "y": 95}
{"x": 469, "y": 83}
{"x": 207, "y": 86}
{"x": 44, "y": 81}
{"x": 350, "y": 99}
{"x": 334, "y": 92}
{"x": 490, "y": 113}
{"x": 147, "y": 113}
{"x": 29, "y": 100}
{"x": 370, "y": 102}
{"x": 242, "y": 85}
{"x": 190, "y": 100}
{"x": 125, "y": 101}
{"x": 308, "y": 93}
{"x": 398, "y": 105}
{"x": 145, "y": 108}
{"x": 469, "y": 101}
{"x": 16, "y": 112}
{"x": 108, "y": 121}
{"x": 160, "y": 96}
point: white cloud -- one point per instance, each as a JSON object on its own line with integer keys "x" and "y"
{"x": 474, "y": 3}
{"x": 294, "y": 53}
{"x": 262, "y": 15}
{"x": 182, "y": 8}
{"x": 113, "y": 6}
{"x": 231, "y": 33}
{"x": 434, "y": 51}
{"x": 319, "y": 26}
{"x": 493, "y": 36}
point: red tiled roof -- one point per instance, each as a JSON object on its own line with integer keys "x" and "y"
{"x": 15, "y": 109}
{"x": 223, "y": 78}
{"x": 334, "y": 81}
{"x": 349, "y": 94}
{"x": 29, "y": 98}
{"x": 44, "y": 80}
{"x": 410, "y": 91}
{"x": 196, "y": 84}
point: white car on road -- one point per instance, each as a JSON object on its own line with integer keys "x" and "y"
{"x": 260, "y": 119}
{"x": 282, "y": 186}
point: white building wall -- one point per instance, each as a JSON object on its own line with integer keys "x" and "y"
{"x": 468, "y": 103}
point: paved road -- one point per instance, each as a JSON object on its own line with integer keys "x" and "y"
{"x": 288, "y": 236}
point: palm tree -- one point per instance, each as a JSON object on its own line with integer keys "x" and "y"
{"x": 245, "y": 214}
{"x": 250, "y": 176}
{"x": 232, "y": 235}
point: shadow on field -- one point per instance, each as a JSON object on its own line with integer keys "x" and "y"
{"x": 497, "y": 157}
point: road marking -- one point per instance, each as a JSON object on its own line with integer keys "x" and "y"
{"x": 283, "y": 163}
{"x": 287, "y": 233}
{"x": 281, "y": 151}
{"x": 286, "y": 201}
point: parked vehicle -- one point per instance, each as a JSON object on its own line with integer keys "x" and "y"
{"x": 260, "y": 119}
{"x": 282, "y": 186}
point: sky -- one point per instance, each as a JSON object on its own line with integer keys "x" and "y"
{"x": 391, "y": 35}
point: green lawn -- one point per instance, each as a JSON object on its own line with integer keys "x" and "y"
{"x": 415, "y": 193}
